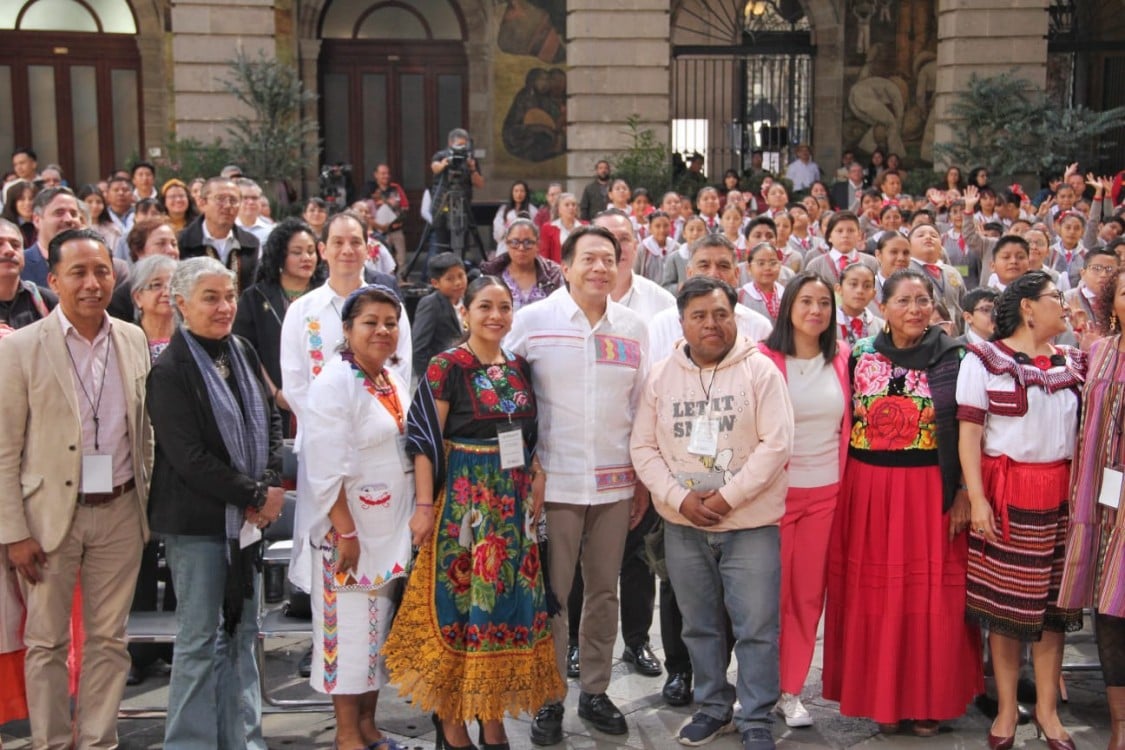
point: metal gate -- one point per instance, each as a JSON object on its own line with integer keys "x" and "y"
{"x": 726, "y": 106}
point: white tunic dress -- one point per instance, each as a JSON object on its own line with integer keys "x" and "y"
{"x": 353, "y": 441}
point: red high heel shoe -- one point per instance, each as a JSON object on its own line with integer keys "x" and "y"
{"x": 1000, "y": 743}
{"x": 1067, "y": 744}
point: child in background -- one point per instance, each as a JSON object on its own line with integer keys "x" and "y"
{"x": 855, "y": 291}
{"x": 656, "y": 247}
{"x": 675, "y": 265}
{"x": 439, "y": 319}
{"x": 762, "y": 293}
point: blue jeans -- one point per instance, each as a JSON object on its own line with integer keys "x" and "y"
{"x": 741, "y": 572}
{"x": 214, "y": 698}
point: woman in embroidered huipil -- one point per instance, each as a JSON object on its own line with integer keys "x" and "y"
{"x": 1017, "y": 401}
{"x": 1094, "y": 568}
{"x": 896, "y": 643}
{"x": 361, "y": 503}
{"x": 472, "y": 639}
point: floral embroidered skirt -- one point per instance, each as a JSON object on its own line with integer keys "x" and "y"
{"x": 472, "y": 637}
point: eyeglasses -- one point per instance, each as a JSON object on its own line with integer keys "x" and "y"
{"x": 156, "y": 286}
{"x": 225, "y": 201}
{"x": 1054, "y": 295}
{"x": 922, "y": 303}
{"x": 525, "y": 244}
{"x": 1102, "y": 270}
{"x": 986, "y": 309}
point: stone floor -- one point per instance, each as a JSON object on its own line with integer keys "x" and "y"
{"x": 651, "y": 723}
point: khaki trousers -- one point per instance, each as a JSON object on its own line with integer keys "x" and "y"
{"x": 102, "y": 551}
{"x": 597, "y": 534}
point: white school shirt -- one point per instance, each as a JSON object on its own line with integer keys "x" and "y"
{"x": 587, "y": 382}
{"x": 665, "y": 330}
{"x": 310, "y": 335}
{"x": 646, "y": 298}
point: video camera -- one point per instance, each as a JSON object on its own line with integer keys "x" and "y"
{"x": 459, "y": 159}
{"x": 334, "y": 181}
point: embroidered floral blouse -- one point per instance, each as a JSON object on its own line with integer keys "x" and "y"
{"x": 893, "y": 409}
{"x": 480, "y": 397}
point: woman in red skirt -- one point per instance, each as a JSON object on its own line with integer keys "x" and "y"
{"x": 1018, "y": 401}
{"x": 896, "y": 644}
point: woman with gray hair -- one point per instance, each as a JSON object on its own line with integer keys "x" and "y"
{"x": 149, "y": 284}
{"x": 215, "y": 484}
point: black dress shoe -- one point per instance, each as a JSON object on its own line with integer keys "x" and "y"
{"x": 136, "y": 675}
{"x": 677, "y": 689}
{"x": 642, "y": 659}
{"x": 546, "y": 727}
{"x": 304, "y": 666}
{"x": 572, "y": 662}
{"x": 599, "y": 710}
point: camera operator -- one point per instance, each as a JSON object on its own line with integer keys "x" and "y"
{"x": 455, "y": 176}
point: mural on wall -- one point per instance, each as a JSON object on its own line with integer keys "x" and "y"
{"x": 529, "y": 83}
{"x": 890, "y": 77}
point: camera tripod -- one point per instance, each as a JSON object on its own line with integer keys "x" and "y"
{"x": 451, "y": 208}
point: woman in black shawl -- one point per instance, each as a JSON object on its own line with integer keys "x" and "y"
{"x": 896, "y": 642}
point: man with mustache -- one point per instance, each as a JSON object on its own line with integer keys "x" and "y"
{"x": 21, "y": 302}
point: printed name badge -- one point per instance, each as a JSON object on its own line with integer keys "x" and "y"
{"x": 1110, "y": 496}
{"x": 511, "y": 446}
{"x": 97, "y": 473}
{"x": 704, "y": 437}
{"x": 406, "y": 459}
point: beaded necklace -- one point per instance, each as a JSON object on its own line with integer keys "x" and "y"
{"x": 380, "y": 387}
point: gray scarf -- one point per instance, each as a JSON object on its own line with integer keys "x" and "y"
{"x": 246, "y": 436}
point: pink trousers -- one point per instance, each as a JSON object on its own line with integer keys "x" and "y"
{"x": 805, "y": 531}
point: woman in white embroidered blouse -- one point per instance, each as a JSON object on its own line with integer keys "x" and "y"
{"x": 1017, "y": 402}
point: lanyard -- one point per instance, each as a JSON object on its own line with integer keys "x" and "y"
{"x": 95, "y": 404}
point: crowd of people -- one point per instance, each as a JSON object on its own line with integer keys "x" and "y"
{"x": 897, "y": 415}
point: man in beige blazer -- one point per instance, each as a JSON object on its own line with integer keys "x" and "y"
{"x": 74, "y": 472}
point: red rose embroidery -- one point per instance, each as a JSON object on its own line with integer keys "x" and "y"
{"x": 489, "y": 398}
{"x": 461, "y": 573}
{"x": 530, "y": 567}
{"x": 488, "y": 556}
{"x": 892, "y": 423}
{"x": 434, "y": 374}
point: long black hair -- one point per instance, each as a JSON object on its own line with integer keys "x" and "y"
{"x": 781, "y": 338}
{"x": 276, "y": 250}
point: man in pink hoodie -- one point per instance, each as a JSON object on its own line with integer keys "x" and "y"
{"x": 712, "y": 436}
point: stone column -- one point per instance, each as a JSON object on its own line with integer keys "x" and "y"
{"x": 308, "y": 61}
{"x": 829, "y": 99}
{"x": 986, "y": 37}
{"x": 207, "y": 35}
{"x": 619, "y": 56}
